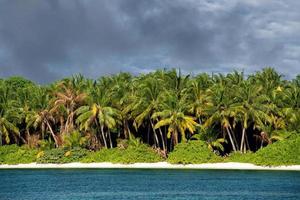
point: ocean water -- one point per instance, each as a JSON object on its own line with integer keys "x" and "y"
{"x": 82, "y": 184}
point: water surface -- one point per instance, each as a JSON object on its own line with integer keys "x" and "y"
{"x": 108, "y": 184}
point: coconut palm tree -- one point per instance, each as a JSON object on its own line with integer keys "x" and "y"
{"x": 148, "y": 100}
{"x": 221, "y": 111}
{"x": 6, "y": 128}
{"x": 250, "y": 107}
{"x": 200, "y": 100}
{"x": 104, "y": 118}
{"x": 44, "y": 120}
{"x": 173, "y": 116}
{"x": 66, "y": 101}
{"x": 6, "y": 110}
{"x": 99, "y": 114}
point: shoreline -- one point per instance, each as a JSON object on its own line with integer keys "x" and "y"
{"x": 158, "y": 165}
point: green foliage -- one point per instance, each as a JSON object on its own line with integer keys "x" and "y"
{"x": 193, "y": 152}
{"x": 240, "y": 157}
{"x": 223, "y": 109}
{"x": 63, "y": 155}
{"x": 132, "y": 154}
{"x": 46, "y": 144}
{"x": 285, "y": 152}
{"x": 12, "y": 154}
{"x": 75, "y": 139}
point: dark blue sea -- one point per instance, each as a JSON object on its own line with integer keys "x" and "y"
{"x": 135, "y": 184}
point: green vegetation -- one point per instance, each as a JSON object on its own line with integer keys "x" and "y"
{"x": 61, "y": 155}
{"x": 158, "y": 115}
{"x": 285, "y": 152}
{"x": 193, "y": 152}
{"x": 12, "y": 154}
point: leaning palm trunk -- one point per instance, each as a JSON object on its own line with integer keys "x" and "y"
{"x": 69, "y": 125}
{"x": 126, "y": 131}
{"x": 28, "y": 135}
{"x": 110, "y": 141}
{"x": 230, "y": 137}
{"x": 175, "y": 137}
{"x": 103, "y": 136}
{"x": 156, "y": 142}
{"x": 243, "y": 140}
{"x": 52, "y": 133}
{"x": 163, "y": 142}
{"x": 247, "y": 142}
{"x": 234, "y": 138}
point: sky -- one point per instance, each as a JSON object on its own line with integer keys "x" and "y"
{"x": 51, "y": 39}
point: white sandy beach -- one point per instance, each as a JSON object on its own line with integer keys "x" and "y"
{"x": 158, "y": 165}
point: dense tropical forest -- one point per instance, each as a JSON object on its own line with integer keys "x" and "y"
{"x": 151, "y": 117}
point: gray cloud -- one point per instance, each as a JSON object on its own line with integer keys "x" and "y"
{"x": 47, "y": 40}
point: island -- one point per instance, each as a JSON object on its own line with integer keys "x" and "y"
{"x": 162, "y": 119}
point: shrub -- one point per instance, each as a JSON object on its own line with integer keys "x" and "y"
{"x": 75, "y": 140}
{"x": 285, "y": 152}
{"x": 62, "y": 155}
{"x": 192, "y": 152}
{"x": 240, "y": 157}
{"x": 132, "y": 154}
{"x": 13, "y": 154}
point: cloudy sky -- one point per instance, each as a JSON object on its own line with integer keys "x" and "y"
{"x": 48, "y": 40}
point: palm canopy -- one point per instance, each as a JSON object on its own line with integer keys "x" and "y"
{"x": 154, "y": 106}
{"x": 173, "y": 116}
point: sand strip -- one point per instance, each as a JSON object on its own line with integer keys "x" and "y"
{"x": 158, "y": 165}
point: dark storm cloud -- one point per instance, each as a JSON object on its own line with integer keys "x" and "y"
{"x": 47, "y": 40}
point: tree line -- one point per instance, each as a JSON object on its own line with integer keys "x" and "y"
{"x": 231, "y": 112}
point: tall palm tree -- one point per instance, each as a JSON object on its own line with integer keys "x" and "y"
{"x": 250, "y": 107}
{"x": 102, "y": 117}
{"x": 45, "y": 120}
{"x": 67, "y": 101}
{"x": 100, "y": 114}
{"x": 6, "y": 106}
{"x": 147, "y": 103}
{"x": 221, "y": 111}
{"x": 200, "y": 100}
{"x": 173, "y": 116}
{"x": 6, "y": 128}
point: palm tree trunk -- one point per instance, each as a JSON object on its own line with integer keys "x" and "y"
{"x": 247, "y": 142}
{"x": 52, "y": 133}
{"x": 175, "y": 135}
{"x": 23, "y": 140}
{"x": 110, "y": 141}
{"x": 103, "y": 136}
{"x": 163, "y": 142}
{"x": 166, "y": 138}
{"x": 230, "y": 137}
{"x": 66, "y": 125}
{"x": 127, "y": 132}
{"x": 200, "y": 122}
{"x": 62, "y": 127}
{"x": 28, "y": 136}
{"x": 156, "y": 142}
{"x": 234, "y": 138}
{"x": 243, "y": 139}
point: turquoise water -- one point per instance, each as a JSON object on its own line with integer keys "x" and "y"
{"x": 135, "y": 184}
